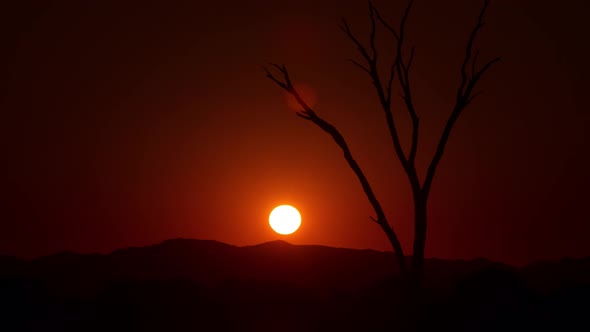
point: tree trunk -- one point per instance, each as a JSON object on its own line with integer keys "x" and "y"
{"x": 412, "y": 310}
{"x": 419, "y": 240}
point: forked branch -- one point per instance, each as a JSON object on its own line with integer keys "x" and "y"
{"x": 470, "y": 74}
{"x": 465, "y": 95}
{"x": 384, "y": 88}
{"x": 308, "y": 114}
{"x": 403, "y": 71}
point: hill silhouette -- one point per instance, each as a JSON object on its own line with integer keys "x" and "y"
{"x": 186, "y": 284}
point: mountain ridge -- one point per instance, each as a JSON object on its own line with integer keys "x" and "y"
{"x": 178, "y": 282}
{"x": 211, "y": 262}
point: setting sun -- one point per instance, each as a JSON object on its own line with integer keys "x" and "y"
{"x": 284, "y": 219}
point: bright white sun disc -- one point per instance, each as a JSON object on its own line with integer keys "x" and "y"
{"x": 284, "y": 219}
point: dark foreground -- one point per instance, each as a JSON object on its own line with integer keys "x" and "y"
{"x": 191, "y": 285}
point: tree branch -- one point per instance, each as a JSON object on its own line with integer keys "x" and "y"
{"x": 404, "y": 79}
{"x": 384, "y": 92}
{"x": 403, "y": 70}
{"x": 346, "y": 29}
{"x": 464, "y": 98}
{"x": 472, "y": 97}
{"x": 365, "y": 69}
{"x": 373, "y": 32}
{"x": 386, "y": 25}
{"x": 389, "y": 86}
{"x": 469, "y": 49}
{"x": 308, "y": 114}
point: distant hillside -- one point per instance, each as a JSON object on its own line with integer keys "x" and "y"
{"x": 209, "y": 263}
{"x": 194, "y": 285}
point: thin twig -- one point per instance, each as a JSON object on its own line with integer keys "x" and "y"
{"x": 464, "y": 98}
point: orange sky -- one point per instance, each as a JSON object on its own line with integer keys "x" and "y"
{"x": 127, "y": 124}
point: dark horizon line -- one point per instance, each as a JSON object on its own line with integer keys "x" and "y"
{"x": 283, "y": 242}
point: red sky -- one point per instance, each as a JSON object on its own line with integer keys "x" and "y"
{"x": 130, "y": 123}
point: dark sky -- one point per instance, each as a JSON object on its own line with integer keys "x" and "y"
{"x": 127, "y": 123}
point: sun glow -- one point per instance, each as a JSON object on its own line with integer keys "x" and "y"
{"x": 284, "y": 219}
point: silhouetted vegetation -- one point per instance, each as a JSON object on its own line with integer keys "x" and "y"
{"x": 399, "y": 70}
{"x": 191, "y": 285}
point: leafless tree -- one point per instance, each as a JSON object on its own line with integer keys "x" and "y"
{"x": 398, "y": 70}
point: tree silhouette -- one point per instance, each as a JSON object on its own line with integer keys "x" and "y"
{"x": 400, "y": 68}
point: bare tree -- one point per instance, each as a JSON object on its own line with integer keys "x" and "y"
{"x": 400, "y": 68}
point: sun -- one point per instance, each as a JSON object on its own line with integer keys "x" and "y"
{"x": 284, "y": 219}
